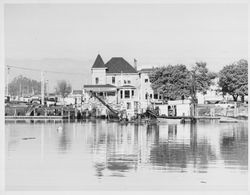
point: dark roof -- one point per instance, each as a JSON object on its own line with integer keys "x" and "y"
{"x": 98, "y": 86}
{"x": 98, "y": 62}
{"x": 119, "y": 65}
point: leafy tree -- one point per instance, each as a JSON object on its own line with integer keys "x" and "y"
{"x": 21, "y": 85}
{"x": 233, "y": 79}
{"x": 63, "y": 88}
{"x": 172, "y": 81}
{"x": 177, "y": 81}
{"x": 203, "y": 78}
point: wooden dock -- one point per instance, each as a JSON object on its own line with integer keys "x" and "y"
{"x": 22, "y": 118}
{"x": 189, "y": 117}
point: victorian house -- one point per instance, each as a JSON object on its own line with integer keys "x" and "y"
{"x": 121, "y": 85}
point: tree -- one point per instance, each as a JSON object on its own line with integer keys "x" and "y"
{"x": 177, "y": 81}
{"x": 233, "y": 79}
{"x": 21, "y": 85}
{"x": 63, "y": 88}
{"x": 203, "y": 78}
{"x": 172, "y": 81}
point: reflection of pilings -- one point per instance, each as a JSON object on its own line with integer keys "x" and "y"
{"x": 42, "y": 142}
{"x": 74, "y": 130}
{"x": 172, "y": 131}
{"x": 193, "y": 141}
{"x": 106, "y": 144}
{"x": 135, "y": 143}
{"x": 50, "y": 129}
{"x": 153, "y": 133}
{"x": 193, "y": 136}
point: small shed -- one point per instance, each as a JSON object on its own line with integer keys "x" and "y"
{"x": 179, "y": 108}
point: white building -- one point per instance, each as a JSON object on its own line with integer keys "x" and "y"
{"x": 120, "y": 85}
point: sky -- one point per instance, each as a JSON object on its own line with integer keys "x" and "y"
{"x": 68, "y": 37}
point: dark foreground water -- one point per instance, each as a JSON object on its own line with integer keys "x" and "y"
{"x": 95, "y": 155}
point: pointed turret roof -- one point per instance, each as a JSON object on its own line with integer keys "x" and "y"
{"x": 98, "y": 62}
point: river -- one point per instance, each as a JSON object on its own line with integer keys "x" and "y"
{"x": 101, "y": 155}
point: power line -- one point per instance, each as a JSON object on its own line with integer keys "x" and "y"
{"x": 40, "y": 70}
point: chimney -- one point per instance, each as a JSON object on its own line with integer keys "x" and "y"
{"x": 135, "y": 64}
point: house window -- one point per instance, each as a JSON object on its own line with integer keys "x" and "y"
{"x": 110, "y": 93}
{"x": 155, "y": 96}
{"x": 160, "y": 97}
{"x": 96, "y": 80}
{"x": 125, "y": 81}
{"x": 126, "y": 95}
{"x": 129, "y": 81}
{"x": 113, "y": 80}
{"x": 146, "y": 80}
{"x": 151, "y": 96}
{"x": 132, "y": 92}
{"x": 121, "y": 94}
{"x": 128, "y": 105}
{"x": 146, "y": 96}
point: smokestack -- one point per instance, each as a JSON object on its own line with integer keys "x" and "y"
{"x": 135, "y": 64}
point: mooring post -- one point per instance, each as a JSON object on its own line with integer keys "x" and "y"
{"x": 235, "y": 109}
{"x": 75, "y": 112}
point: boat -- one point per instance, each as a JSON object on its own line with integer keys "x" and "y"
{"x": 169, "y": 120}
{"x": 228, "y": 120}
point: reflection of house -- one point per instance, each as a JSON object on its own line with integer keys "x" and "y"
{"x": 119, "y": 83}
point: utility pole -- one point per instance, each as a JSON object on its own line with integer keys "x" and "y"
{"x": 7, "y": 80}
{"x": 20, "y": 89}
{"x": 42, "y": 87}
{"x": 47, "y": 88}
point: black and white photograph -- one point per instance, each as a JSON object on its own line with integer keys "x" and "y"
{"x": 125, "y": 96}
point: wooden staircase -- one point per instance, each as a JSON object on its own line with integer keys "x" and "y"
{"x": 107, "y": 105}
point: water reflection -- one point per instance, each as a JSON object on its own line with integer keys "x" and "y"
{"x": 234, "y": 147}
{"x": 64, "y": 137}
{"x": 110, "y": 150}
{"x": 170, "y": 147}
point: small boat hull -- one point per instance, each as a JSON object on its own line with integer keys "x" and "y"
{"x": 228, "y": 120}
{"x": 169, "y": 120}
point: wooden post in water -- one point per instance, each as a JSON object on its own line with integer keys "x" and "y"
{"x": 96, "y": 112}
{"x": 75, "y": 112}
{"x": 235, "y": 109}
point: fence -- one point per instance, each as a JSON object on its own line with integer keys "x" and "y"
{"x": 222, "y": 110}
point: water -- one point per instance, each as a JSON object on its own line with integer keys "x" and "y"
{"x": 96, "y": 155}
